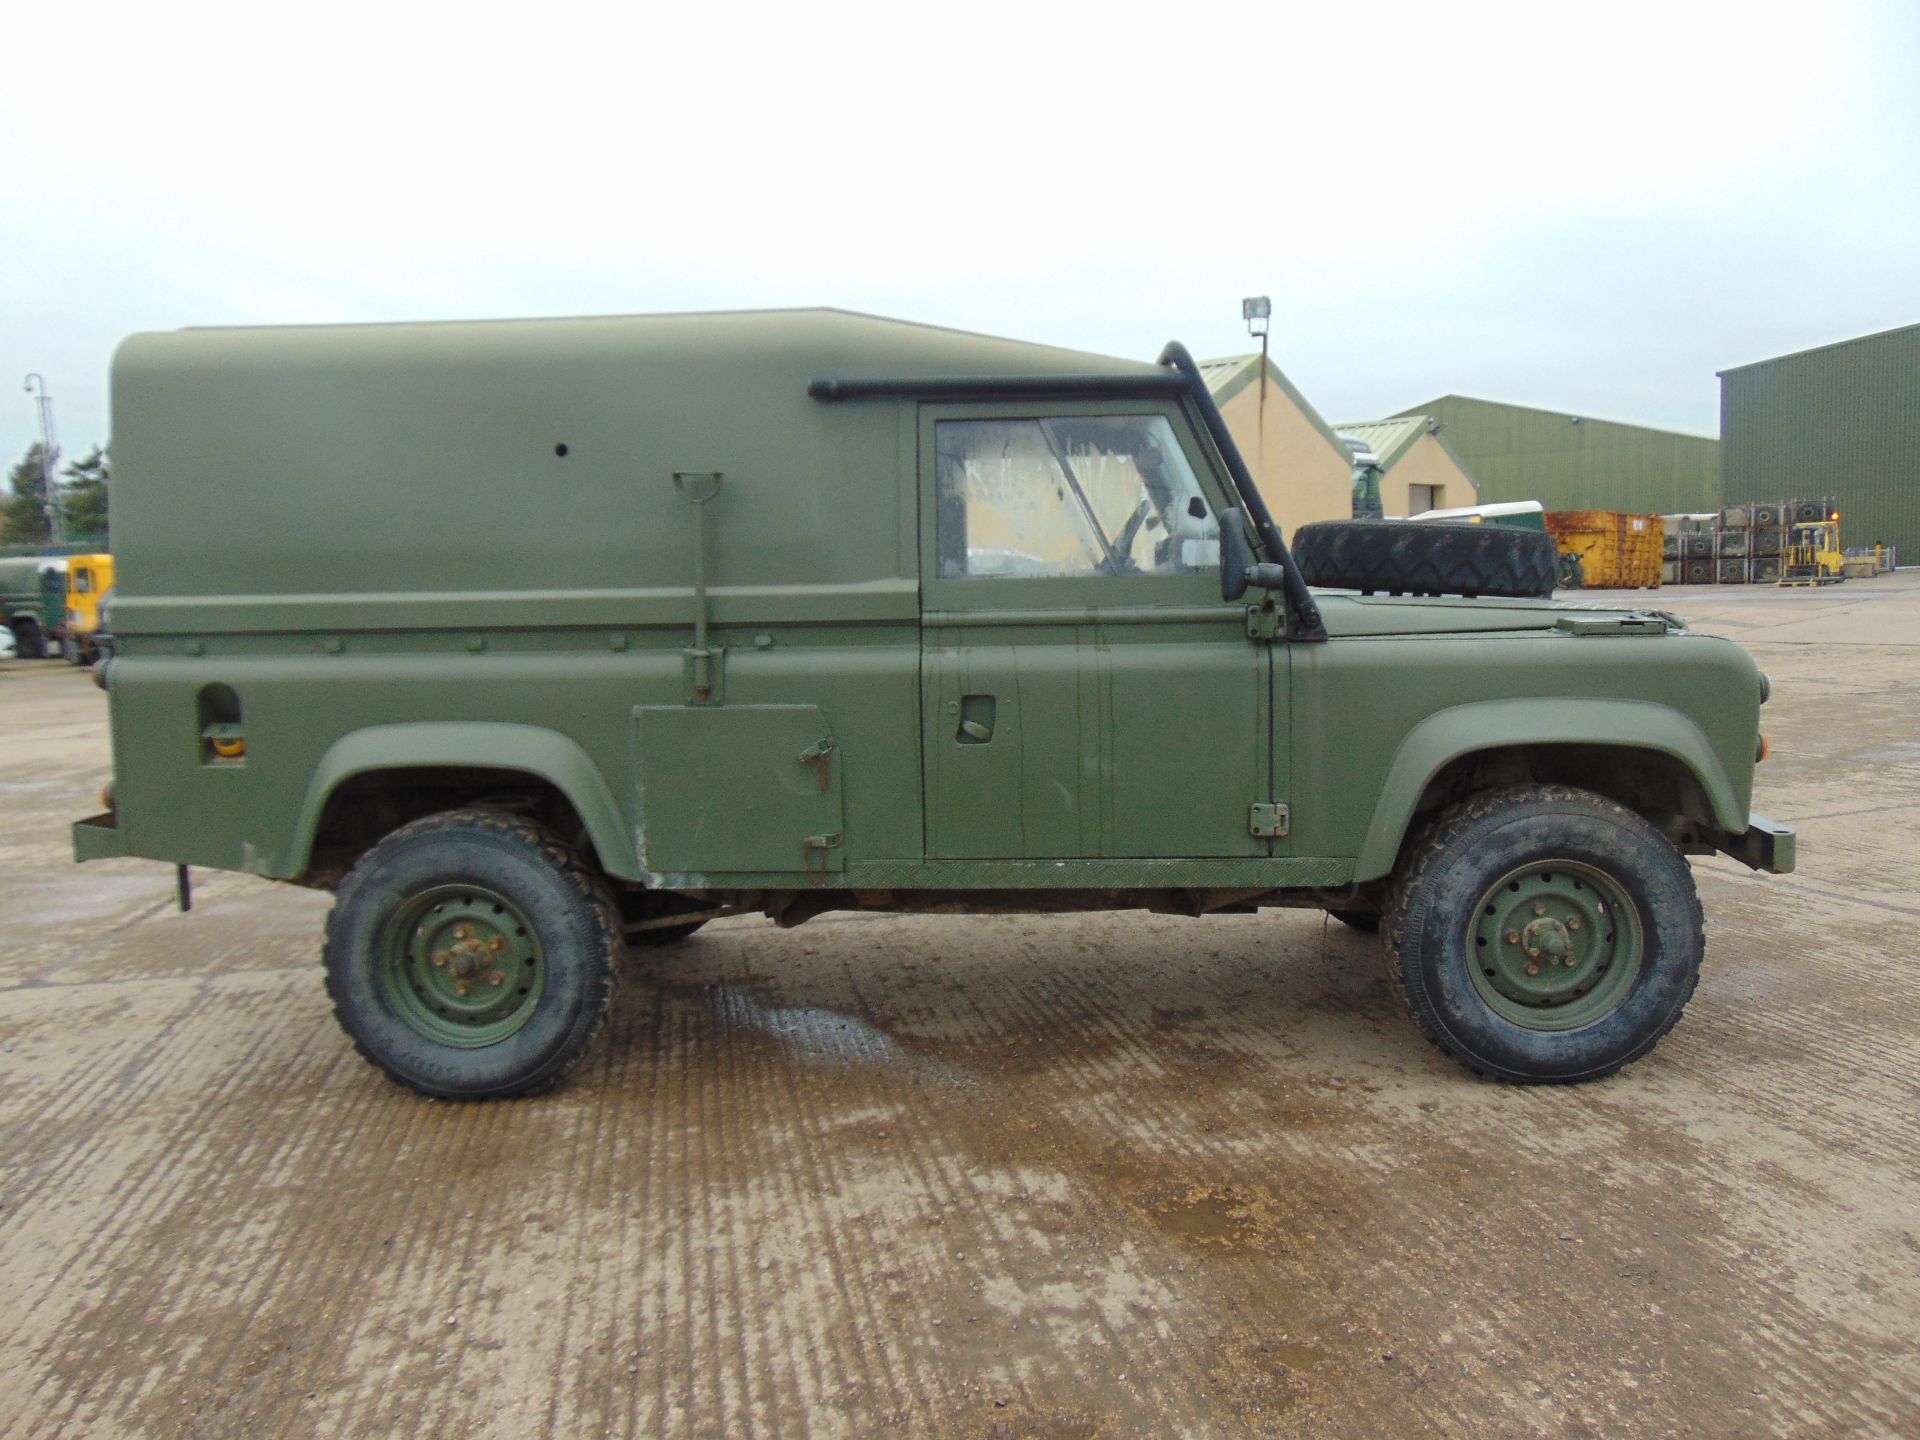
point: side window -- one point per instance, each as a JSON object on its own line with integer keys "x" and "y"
{"x": 83, "y": 582}
{"x": 1069, "y": 496}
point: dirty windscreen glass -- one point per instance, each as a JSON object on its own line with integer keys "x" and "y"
{"x": 1068, "y": 496}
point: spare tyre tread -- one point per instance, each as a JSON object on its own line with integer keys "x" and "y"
{"x": 1426, "y": 558}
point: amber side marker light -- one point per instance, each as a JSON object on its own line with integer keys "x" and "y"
{"x": 1761, "y": 749}
{"x": 229, "y": 747}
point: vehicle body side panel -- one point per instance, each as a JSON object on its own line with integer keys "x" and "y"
{"x": 1375, "y": 718}
{"x": 384, "y": 701}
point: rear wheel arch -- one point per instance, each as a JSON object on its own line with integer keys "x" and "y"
{"x": 373, "y": 781}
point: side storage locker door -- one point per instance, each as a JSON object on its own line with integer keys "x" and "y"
{"x": 737, "y": 788}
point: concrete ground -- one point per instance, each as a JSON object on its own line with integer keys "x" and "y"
{"x": 1087, "y": 1177}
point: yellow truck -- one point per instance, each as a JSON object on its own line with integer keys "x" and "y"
{"x": 89, "y": 577}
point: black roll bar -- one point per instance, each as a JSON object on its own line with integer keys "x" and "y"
{"x": 1303, "y": 614}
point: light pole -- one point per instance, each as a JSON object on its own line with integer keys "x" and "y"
{"x": 1255, "y": 310}
{"x": 36, "y": 386}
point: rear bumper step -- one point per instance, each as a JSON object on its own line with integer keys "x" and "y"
{"x": 98, "y": 838}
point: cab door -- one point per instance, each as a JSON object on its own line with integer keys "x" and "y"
{"x": 1085, "y": 692}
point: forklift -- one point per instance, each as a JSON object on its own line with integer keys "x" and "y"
{"x": 1812, "y": 555}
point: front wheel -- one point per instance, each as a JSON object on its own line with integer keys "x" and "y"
{"x": 471, "y": 955}
{"x": 1544, "y": 934}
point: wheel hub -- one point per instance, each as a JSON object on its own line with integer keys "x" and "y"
{"x": 462, "y": 966}
{"x": 1555, "y": 945}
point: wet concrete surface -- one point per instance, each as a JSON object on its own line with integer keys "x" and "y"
{"x": 1074, "y": 1176}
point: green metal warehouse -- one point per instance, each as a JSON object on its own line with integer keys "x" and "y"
{"x": 1841, "y": 420}
{"x": 1574, "y": 462}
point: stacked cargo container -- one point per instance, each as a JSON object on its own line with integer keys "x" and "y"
{"x": 1742, "y": 545}
{"x": 1686, "y": 549}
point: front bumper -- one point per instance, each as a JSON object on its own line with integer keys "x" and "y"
{"x": 1764, "y": 845}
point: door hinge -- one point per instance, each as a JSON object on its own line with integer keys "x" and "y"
{"x": 813, "y": 855}
{"x": 1265, "y": 622}
{"x": 820, "y": 756}
{"x": 1267, "y": 821}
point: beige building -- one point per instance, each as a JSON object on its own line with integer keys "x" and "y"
{"x": 1422, "y": 472}
{"x": 1303, "y": 469}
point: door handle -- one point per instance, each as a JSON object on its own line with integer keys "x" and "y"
{"x": 976, "y": 720}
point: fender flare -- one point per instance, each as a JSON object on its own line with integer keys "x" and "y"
{"x": 1499, "y": 724}
{"x": 483, "y": 745}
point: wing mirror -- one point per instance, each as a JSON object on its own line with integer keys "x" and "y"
{"x": 1238, "y": 568}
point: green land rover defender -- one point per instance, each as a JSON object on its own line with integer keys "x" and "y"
{"x": 537, "y": 641}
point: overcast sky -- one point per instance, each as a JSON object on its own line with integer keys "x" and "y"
{"x": 1588, "y": 208}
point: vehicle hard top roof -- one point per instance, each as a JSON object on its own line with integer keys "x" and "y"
{"x": 819, "y": 341}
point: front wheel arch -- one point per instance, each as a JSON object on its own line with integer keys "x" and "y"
{"x": 1607, "y": 746}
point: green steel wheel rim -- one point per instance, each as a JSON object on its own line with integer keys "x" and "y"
{"x": 460, "y": 965}
{"x": 1555, "y": 945}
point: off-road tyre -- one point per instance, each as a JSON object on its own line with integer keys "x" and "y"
{"x": 1425, "y": 558}
{"x": 572, "y": 933}
{"x": 1367, "y": 922}
{"x": 1437, "y": 901}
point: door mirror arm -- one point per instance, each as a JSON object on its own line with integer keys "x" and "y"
{"x": 1238, "y": 569}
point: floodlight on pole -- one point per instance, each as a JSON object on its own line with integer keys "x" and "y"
{"x": 1256, "y": 310}
{"x": 36, "y": 386}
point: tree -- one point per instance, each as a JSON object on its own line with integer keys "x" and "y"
{"x": 23, "y": 514}
{"x": 83, "y": 496}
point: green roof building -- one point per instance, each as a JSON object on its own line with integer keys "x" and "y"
{"x": 1575, "y": 462}
{"x": 1420, "y": 471}
{"x": 1842, "y": 420}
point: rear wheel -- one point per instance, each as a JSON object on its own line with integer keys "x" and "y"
{"x": 471, "y": 955}
{"x": 1544, "y": 933}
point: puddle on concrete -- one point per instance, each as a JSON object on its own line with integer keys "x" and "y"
{"x": 1218, "y": 1217}
{"x": 816, "y": 1034}
{"x": 808, "y": 1031}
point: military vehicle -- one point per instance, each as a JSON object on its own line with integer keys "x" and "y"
{"x": 33, "y": 593}
{"x": 540, "y": 641}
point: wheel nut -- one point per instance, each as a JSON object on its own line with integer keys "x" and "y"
{"x": 498, "y": 944}
{"x": 494, "y": 977}
{"x": 1573, "y": 923}
{"x": 460, "y": 986}
{"x": 1513, "y": 937}
{"x": 440, "y": 959}
{"x": 1532, "y": 954}
{"x": 1531, "y": 970}
{"x": 1568, "y": 962}
{"x": 1538, "y": 908}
